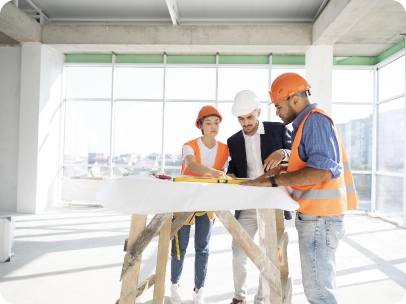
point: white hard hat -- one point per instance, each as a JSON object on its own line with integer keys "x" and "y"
{"x": 244, "y": 103}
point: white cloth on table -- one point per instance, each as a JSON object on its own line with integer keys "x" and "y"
{"x": 149, "y": 195}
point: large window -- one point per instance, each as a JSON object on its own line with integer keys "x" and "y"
{"x": 391, "y": 135}
{"x": 391, "y": 138}
{"x": 142, "y": 115}
{"x": 128, "y": 119}
{"x": 139, "y": 83}
{"x": 352, "y": 112}
{"x": 392, "y": 79}
{"x": 138, "y": 137}
{"x": 88, "y": 82}
{"x": 233, "y": 80}
{"x": 389, "y": 196}
{"x": 191, "y": 83}
{"x": 87, "y": 121}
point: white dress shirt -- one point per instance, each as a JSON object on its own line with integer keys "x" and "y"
{"x": 253, "y": 151}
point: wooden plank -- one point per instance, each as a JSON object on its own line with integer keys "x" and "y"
{"x": 282, "y": 248}
{"x": 178, "y": 222}
{"x": 144, "y": 286}
{"x": 162, "y": 261}
{"x": 176, "y": 225}
{"x": 143, "y": 240}
{"x": 268, "y": 240}
{"x": 288, "y": 292}
{"x": 280, "y": 223}
{"x": 260, "y": 260}
{"x": 283, "y": 240}
{"x": 129, "y": 284}
{"x": 283, "y": 262}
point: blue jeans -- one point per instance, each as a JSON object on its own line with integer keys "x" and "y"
{"x": 318, "y": 240}
{"x": 202, "y": 237}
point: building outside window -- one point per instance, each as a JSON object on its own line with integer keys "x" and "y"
{"x": 353, "y": 98}
{"x": 143, "y": 114}
{"x": 391, "y": 138}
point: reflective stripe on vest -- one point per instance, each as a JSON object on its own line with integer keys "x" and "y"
{"x": 350, "y": 189}
{"x": 319, "y": 194}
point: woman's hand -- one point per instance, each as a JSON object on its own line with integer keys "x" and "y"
{"x": 218, "y": 174}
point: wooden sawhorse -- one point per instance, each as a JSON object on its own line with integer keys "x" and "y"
{"x": 271, "y": 261}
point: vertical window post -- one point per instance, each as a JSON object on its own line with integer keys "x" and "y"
{"x": 269, "y": 114}
{"x": 163, "y": 120}
{"x": 404, "y": 151}
{"x": 62, "y": 131}
{"x": 112, "y": 116}
{"x": 374, "y": 139}
{"x": 217, "y": 79}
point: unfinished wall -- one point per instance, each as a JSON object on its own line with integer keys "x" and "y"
{"x": 10, "y": 67}
{"x": 39, "y": 134}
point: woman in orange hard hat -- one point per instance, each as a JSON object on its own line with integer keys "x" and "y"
{"x": 203, "y": 156}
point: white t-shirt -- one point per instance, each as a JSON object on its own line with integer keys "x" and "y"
{"x": 208, "y": 156}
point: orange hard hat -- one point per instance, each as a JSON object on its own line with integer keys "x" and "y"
{"x": 207, "y": 111}
{"x": 287, "y": 85}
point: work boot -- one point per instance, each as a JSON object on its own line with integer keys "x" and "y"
{"x": 235, "y": 301}
{"x": 198, "y": 296}
{"x": 175, "y": 294}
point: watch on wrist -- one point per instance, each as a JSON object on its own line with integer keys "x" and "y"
{"x": 272, "y": 179}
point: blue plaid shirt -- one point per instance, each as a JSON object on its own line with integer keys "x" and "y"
{"x": 319, "y": 145}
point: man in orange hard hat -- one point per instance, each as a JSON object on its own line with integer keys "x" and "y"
{"x": 319, "y": 174}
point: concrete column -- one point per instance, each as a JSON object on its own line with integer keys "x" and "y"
{"x": 404, "y": 153}
{"x": 319, "y": 73}
{"x": 10, "y": 68}
{"x": 40, "y": 98}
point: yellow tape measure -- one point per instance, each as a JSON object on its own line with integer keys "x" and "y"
{"x": 209, "y": 180}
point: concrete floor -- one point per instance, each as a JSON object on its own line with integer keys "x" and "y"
{"x": 74, "y": 255}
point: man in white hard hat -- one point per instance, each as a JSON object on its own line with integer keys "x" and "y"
{"x": 255, "y": 149}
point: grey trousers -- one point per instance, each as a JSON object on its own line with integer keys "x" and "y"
{"x": 248, "y": 220}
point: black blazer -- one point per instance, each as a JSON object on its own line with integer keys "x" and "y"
{"x": 277, "y": 136}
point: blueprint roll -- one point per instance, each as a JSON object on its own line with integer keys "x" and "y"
{"x": 6, "y": 238}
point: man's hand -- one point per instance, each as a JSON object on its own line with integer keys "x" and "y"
{"x": 259, "y": 181}
{"x": 273, "y": 159}
{"x": 274, "y": 170}
{"x": 232, "y": 176}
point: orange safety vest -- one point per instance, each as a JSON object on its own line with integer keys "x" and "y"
{"x": 219, "y": 162}
{"x": 330, "y": 198}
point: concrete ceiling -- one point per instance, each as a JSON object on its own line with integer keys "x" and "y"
{"x": 189, "y": 11}
{"x": 353, "y": 27}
